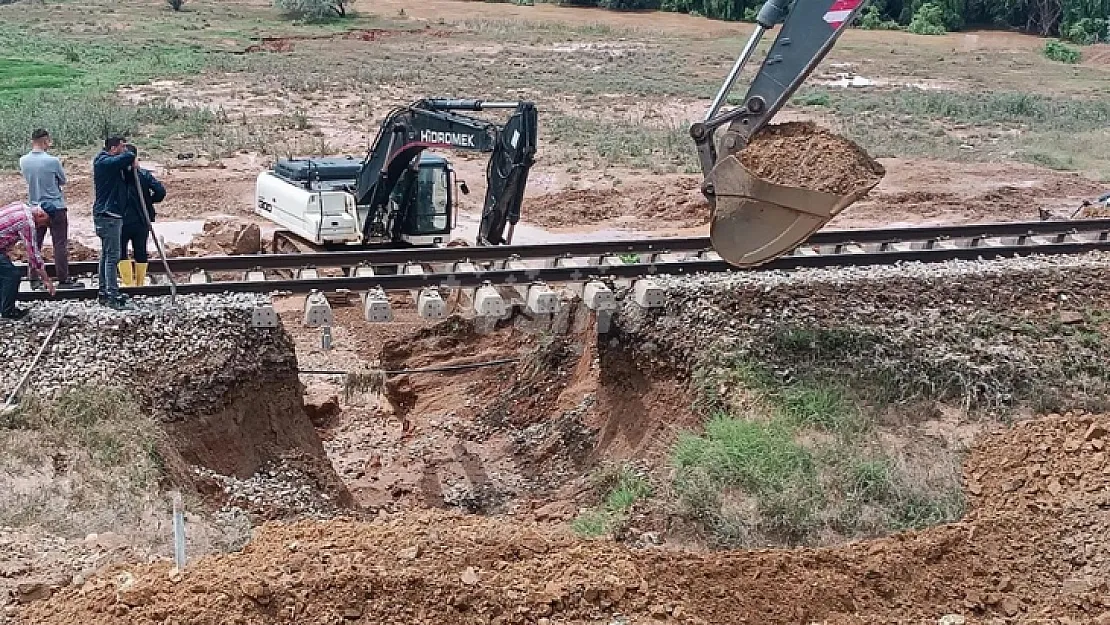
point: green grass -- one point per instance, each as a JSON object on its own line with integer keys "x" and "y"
{"x": 1059, "y": 132}
{"x": 22, "y": 75}
{"x": 625, "y": 488}
{"x": 611, "y": 143}
{"x": 751, "y": 482}
{"x": 797, "y": 459}
{"x": 79, "y": 123}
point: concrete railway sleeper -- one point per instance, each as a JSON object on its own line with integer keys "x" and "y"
{"x": 642, "y": 251}
{"x": 541, "y": 291}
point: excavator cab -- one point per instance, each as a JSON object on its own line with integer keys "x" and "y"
{"x": 755, "y": 220}
{"x": 424, "y": 202}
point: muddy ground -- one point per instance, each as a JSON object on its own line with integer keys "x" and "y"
{"x": 1046, "y": 478}
{"x": 467, "y": 482}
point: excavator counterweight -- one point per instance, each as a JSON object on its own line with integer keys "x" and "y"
{"x": 755, "y": 220}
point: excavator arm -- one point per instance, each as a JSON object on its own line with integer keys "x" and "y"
{"x": 755, "y": 221}
{"x": 409, "y": 130}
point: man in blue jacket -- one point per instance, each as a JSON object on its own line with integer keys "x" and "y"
{"x": 135, "y": 228}
{"x": 108, "y": 209}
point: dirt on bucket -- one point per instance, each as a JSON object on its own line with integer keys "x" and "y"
{"x": 800, "y": 154}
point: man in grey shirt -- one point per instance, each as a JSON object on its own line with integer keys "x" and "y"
{"x": 45, "y": 178}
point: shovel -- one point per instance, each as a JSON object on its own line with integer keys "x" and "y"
{"x": 11, "y": 403}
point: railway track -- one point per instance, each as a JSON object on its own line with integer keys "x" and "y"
{"x": 414, "y": 269}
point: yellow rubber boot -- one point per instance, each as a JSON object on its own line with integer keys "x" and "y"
{"x": 140, "y": 274}
{"x": 126, "y": 276}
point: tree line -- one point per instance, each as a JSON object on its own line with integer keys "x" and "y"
{"x": 1079, "y": 21}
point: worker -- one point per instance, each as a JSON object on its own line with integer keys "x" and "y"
{"x": 135, "y": 229}
{"x": 45, "y": 178}
{"x": 17, "y": 223}
{"x": 108, "y": 207}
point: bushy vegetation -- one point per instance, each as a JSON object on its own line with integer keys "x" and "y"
{"x": 1079, "y": 21}
{"x": 1062, "y": 52}
{"x": 83, "y": 122}
{"x": 798, "y": 464}
{"x": 928, "y": 20}
{"x": 314, "y": 9}
{"x": 872, "y": 19}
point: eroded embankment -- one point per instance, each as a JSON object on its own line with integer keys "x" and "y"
{"x": 124, "y": 407}
{"x": 517, "y": 435}
{"x": 987, "y": 335}
{"x": 839, "y": 404}
{"x": 1031, "y": 547}
{"x": 227, "y": 394}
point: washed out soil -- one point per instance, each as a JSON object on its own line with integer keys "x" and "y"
{"x": 1031, "y": 547}
{"x": 800, "y": 154}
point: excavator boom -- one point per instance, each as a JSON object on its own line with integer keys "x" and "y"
{"x": 437, "y": 122}
{"x": 754, "y": 220}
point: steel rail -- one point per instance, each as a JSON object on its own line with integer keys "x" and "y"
{"x": 345, "y": 258}
{"x": 578, "y": 274}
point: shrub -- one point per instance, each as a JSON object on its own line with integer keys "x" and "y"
{"x": 629, "y": 5}
{"x": 313, "y": 9}
{"x": 928, "y": 20}
{"x": 1086, "y": 31}
{"x": 1060, "y": 51}
{"x": 872, "y": 19}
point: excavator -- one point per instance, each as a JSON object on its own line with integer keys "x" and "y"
{"x": 399, "y": 195}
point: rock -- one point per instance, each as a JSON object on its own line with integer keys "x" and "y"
{"x": 555, "y": 511}
{"x": 248, "y": 241}
{"x": 256, "y": 590}
{"x": 32, "y": 591}
{"x": 134, "y": 595}
{"x": 15, "y": 568}
{"x": 469, "y": 576}
{"x": 409, "y": 553}
{"x": 1010, "y": 606}
{"x": 1095, "y": 431}
{"x": 1070, "y": 317}
{"x": 951, "y": 619}
{"x": 322, "y": 413}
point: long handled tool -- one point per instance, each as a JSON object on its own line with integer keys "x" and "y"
{"x": 11, "y": 401}
{"x": 153, "y": 235}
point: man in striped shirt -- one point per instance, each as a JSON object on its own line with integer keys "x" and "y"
{"x": 17, "y": 223}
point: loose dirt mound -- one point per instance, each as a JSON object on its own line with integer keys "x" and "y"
{"x": 676, "y": 203}
{"x": 222, "y": 237}
{"x": 77, "y": 251}
{"x": 800, "y": 154}
{"x": 1032, "y": 547}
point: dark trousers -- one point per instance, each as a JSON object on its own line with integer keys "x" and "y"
{"x": 136, "y": 235}
{"x": 59, "y": 235}
{"x": 10, "y": 275}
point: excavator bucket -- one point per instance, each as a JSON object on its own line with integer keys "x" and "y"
{"x": 755, "y": 221}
